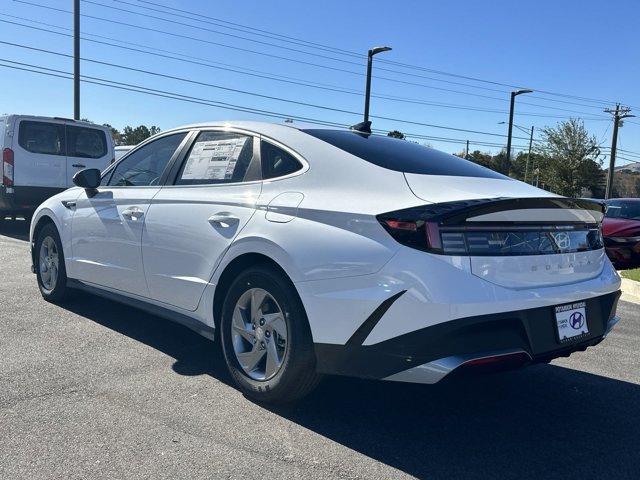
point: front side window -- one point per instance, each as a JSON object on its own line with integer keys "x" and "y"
{"x": 86, "y": 142}
{"x": 276, "y": 162}
{"x": 219, "y": 157}
{"x": 42, "y": 137}
{"x": 145, "y": 166}
{"x": 402, "y": 155}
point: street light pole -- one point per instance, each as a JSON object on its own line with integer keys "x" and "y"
{"x": 367, "y": 95}
{"x": 514, "y": 94}
{"x": 76, "y": 59}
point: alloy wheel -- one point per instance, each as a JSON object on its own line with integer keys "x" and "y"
{"x": 49, "y": 264}
{"x": 259, "y": 334}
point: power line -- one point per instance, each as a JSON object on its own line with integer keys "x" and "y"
{"x": 284, "y": 38}
{"x": 187, "y": 98}
{"x": 270, "y": 97}
{"x": 293, "y": 80}
{"x": 246, "y": 50}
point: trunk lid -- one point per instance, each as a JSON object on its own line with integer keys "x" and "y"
{"x": 444, "y": 188}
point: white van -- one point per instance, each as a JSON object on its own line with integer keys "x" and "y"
{"x": 121, "y": 150}
{"x": 40, "y": 155}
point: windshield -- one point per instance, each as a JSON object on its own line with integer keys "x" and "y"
{"x": 402, "y": 155}
{"x": 623, "y": 209}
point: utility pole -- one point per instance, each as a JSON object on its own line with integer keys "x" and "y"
{"x": 466, "y": 151}
{"x": 526, "y": 168}
{"x": 618, "y": 114}
{"x": 76, "y": 59}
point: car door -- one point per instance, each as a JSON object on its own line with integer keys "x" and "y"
{"x": 86, "y": 148}
{"x": 192, "y": 222}
{"x": 39, "y": 155}
{"x": 107, "y": 224}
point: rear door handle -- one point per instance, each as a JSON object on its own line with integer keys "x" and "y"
{"x": 78, "y": 165}
{"x": 133, "y": 213}
{"x": 223, "y": 219}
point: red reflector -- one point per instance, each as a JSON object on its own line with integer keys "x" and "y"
{"x": 400, "y": 225}
{"x": 7, "y": 167}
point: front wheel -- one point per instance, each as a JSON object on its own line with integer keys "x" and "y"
{"x": 50, "y": 269}
{"x": 266, "y": 338}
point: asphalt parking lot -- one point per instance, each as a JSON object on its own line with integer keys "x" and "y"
{"x": 99, "y": 390}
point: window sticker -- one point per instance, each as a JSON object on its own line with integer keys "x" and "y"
{"x": 213, "y": 159}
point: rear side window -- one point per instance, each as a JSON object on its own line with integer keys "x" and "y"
{"x": 276, "y": 162}
{"x": 219, "y": 157}
{"x": 145, "y": 166}
{"x": 42, "y": 137}
{"x": 86, "y": 142}
{"x": 402, "y": 155}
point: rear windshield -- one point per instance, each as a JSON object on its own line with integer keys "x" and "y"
{"x": 402, "y": 155}
{"x": 622, "y": 209}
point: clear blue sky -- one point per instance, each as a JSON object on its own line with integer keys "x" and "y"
{"x": 584, "y": 48}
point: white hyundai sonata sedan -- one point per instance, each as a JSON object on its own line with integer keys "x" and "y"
{"x": 315, "y": 251}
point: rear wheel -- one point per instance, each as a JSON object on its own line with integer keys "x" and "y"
{"x": 266, "y": 338}
{"x": 50, "y": 270}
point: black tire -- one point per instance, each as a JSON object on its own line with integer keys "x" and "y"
{"x": 60, "y": 292}
{"x": 297, "y": 375}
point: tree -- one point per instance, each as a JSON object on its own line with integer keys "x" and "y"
{"x": 133, "y": 136}
{"x": 519, "y": 166}
{"x": 396, "y": 134}
{"x": 115, "y": 134}
{"x": 570, "y": 158}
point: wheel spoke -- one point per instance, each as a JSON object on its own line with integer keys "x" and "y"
{"x": 249, "y": 360}
{"x": 257, "y": 299}
{"x": 277, "y": 324}
{"x": 240, "y": 326}
{"x": 54, "y": 276}
{"x": 273, "y": 362}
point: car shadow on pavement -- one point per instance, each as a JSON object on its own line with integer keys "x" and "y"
{"x": 18, "y": 229}
{"x": 543, "y": 421}
{"x": 193, "y": 354}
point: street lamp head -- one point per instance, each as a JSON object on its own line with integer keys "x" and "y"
{"x": 376, "y": 50}
{"x": 520, "y": 92}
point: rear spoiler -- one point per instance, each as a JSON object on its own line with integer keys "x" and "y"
{"x": 510, "y": 211}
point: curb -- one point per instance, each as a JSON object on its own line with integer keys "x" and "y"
{"x": 630, "y": 290}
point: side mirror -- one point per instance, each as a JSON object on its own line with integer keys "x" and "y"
{"x": 89, "y": 178}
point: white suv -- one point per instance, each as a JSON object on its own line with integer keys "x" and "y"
{"x": 40, "y": 155}
{"x": 311, "y": 251}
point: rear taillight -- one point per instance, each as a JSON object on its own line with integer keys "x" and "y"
{"x": 7, "y": 167}
{"x": 457, "y": 229}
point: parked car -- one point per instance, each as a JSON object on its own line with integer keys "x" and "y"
{"x": 621, "y": 230}
{"x": 121, "y": 150}
{"x": 319, "y": 251}
{"x": 40, "y": 156}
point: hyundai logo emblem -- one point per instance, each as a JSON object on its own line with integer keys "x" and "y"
{"x": 576, "y": 320}
{"x": 563, "y": 240}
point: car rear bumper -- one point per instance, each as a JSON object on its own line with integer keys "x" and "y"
{"x": 429, "y": 354}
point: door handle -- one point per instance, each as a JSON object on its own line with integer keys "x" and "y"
{"x": 133, "y": 213}
{"x": 78, "y": 165}
{"x": 223, "y": 219}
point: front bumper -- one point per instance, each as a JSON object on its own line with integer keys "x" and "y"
{"x": 429, "y": 354}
